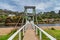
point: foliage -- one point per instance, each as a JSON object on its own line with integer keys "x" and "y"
{"x": 50, "y": 15}
{"x": 52, "y": 28}
{"x": 3, "y": 18}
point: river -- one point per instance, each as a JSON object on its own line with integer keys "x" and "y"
{"x": 48, "y": 24}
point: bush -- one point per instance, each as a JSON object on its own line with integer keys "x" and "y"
{"x": 52, "y": 28}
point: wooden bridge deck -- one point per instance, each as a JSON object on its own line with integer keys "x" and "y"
{"x": 30, "y": 34}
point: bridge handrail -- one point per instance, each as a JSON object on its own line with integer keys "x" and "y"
{"x": 49, "y": 36}
{"x": 11, "y": 38}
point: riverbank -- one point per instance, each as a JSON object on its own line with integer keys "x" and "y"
{"x": 55, "y": 32}
{"x": 6, "y": 36}
{"x": 49, "y": 27}
{"x": 6, "y": 30}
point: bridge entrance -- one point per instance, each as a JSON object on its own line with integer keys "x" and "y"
{"x": 30, "y": 28}
{"x": 30, "y": 16}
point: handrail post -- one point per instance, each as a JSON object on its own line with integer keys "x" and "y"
{"x": 23, "y": 31}
{"x": 20, "y": 35}
{"x": 40, "y": 35}
{"x": 36, "y": 30}
{"x": 19, "y": 32}
{"x": 33, "y": 27}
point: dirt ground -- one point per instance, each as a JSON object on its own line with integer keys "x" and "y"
{"x": 4, "y": 31}
{"x": 49, "y": 27}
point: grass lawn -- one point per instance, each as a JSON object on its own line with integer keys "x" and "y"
{"x": 54, "y": 33}
{"x": 17, "y": 37}
{"x": 5, "y": 37}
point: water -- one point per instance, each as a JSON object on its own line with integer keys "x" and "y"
{"x": 48, "y": 24}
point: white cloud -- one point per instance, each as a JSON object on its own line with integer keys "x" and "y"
{"x": 57, "y": 8}
{"x": 23, "y": 2}
{"x": 43, "y": 6}
{"x": 58, "y": 4}
{"x": 40, "y": 5}
{"x": 7, "y": 6}
{"x": 53, "y": 0}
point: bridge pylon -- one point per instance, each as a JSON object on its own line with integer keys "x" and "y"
{"x": 30, "y": 17}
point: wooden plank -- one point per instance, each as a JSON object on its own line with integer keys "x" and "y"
{"x": 30, "y": 34}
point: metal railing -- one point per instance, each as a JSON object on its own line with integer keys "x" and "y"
{"x": 35, "y": 27}
{"x": 19, "y": 32}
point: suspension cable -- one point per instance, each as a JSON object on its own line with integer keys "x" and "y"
{"x": 17, "y": 23}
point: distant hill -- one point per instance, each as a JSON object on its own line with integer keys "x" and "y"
{"x": 6, "y": 12}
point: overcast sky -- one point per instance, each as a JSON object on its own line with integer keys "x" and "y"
{"x": 41, "y": 5}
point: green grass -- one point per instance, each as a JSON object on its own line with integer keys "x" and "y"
{"x": 54, "y": 33}
{"x": 5, "y": 37}
{"x": 17, "y": 36}
{"x": 43, "y": 36}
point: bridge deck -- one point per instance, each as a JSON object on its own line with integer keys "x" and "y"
{"x": 30, "y": 34}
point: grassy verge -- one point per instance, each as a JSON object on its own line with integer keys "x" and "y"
{"x": 17, "y": 36}
{"x": 54, "y": 33}
{"x": 43, "y": 36}
{"x": 5, "y": 37}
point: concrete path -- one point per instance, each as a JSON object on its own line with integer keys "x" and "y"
{"x": 30, "y": 34}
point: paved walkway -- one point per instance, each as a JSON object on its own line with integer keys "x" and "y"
{"x": 30, "y": 34}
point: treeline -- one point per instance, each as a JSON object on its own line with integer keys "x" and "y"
{"x": 6, "y": 19}
{"x": 7, "y": 12}
{"x": 45, "y": 16}
{"x": 49, "y": 15}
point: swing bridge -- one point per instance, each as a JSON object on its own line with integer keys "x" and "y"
{"x": 29, "y": 30}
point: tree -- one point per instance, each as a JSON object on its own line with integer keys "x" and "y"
{"x": 59, "y": 12}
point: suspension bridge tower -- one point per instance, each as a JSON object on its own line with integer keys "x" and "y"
{"x": 30, "y": 16}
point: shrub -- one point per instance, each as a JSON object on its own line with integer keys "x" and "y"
{"x": 52, "y": 28}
